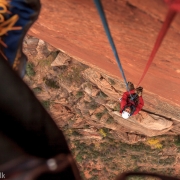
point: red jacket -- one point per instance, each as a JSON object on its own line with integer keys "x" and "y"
{"x": 124, "y": 102}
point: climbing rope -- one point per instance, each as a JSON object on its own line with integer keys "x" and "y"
{"x": 174, "y": 7}
{"x": 108, "y": 34}
{"x": 170, "y": 16}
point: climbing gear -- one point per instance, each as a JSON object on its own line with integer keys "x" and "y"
{"x": 129, "y": 85}
{"x": 125, "y": 115}
{"x": 138, "y": 91}
{"x": 108, "y": 34}
{"x": 16, "y": 17}
{"x": 134, "y": 100}
{"x": 170, "y": 16}
{"x": 174, "y": 7}
{"x": 132, "y": 103}
{"x": 36, "y": 133}
{"x": 132, "y": 107}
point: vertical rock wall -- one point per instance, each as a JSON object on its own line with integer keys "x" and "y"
{"x": 74, "y": 27}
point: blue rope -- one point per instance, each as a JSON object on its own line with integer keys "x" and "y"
{"x": 108, "y": 34}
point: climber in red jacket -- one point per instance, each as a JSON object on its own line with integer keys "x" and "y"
{"x": 128, "y": 106}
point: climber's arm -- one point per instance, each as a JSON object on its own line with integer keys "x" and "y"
{"x": 123, "y": 101}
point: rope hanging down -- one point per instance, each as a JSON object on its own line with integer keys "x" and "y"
{"x": 170, "y": 16}
{"x": 108, "y": 34}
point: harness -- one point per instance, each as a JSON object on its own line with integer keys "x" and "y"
{"x": 132, "y": 102}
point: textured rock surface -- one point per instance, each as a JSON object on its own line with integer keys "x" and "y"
{"x": 75, "y": 28}
{"x": 100, "y": 140}
{"x": 76, "y": 89}
{"x": 61, "y": 60}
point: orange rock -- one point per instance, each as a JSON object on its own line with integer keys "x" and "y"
{"x": 75, "y": 27}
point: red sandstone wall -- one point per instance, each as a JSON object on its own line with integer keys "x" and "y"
{"x": 75, "y": 27}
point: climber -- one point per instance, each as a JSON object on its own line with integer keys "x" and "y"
{"x": 132, "y": 106}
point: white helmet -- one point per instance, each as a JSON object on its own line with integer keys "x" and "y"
{"x": 125, "y": 115}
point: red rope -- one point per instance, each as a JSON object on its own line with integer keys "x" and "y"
{"x": 174, "y": 7}
{"x": 170, "y": 16}
{"x": 173, "y": 4}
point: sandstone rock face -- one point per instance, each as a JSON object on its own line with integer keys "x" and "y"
{"x": 102, "y": 83}
{"x": 78, "y": 96}
{"x": 143, "y": 118}
{"x": 61, "y": 60}
{"x": 30, "y": 44}
{"x": 145, "y": 128}
{"x": 35, "y": 48}
{"x": 152, "y": 123}
{"x": 75, "y": 27}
